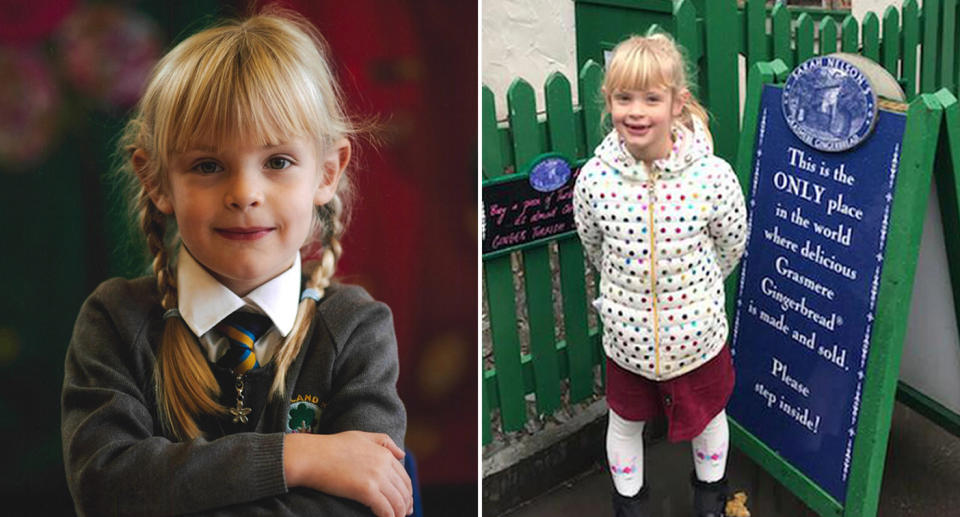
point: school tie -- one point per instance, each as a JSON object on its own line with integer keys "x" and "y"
{"x": 242, "y": 329}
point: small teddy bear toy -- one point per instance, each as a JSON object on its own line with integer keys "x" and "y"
{"x": 737, "y": 506}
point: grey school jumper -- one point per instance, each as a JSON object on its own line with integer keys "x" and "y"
{"x": 118, "y": 460}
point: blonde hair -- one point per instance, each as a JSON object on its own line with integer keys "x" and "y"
{"x": 267, "y": 78}
{"x": 653, "y": 61}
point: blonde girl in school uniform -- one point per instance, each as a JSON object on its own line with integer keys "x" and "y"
{"x": 663, "y": 221}
{"x": 237, "y": 379}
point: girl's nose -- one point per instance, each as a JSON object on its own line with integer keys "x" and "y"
{"x": 243, "y": 192}
{"x": 636, "y": 109}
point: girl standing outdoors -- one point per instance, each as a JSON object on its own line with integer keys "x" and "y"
{"x": 663, "y": 221}
{"x": 237, "y": 378}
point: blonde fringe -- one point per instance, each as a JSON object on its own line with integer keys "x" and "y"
{"x": 185, "y": 385}
{"x": 640, "y": 62}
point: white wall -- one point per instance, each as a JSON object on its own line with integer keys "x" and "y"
{"x": 529, "y": 39}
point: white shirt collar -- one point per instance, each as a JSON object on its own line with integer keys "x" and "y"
{"x": 204, "y": 301}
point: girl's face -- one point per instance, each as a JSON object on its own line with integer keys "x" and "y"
{"x": 245, "y": 210}
{"x": 643, "y": 119}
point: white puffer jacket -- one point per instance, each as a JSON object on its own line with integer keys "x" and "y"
{"x": 663, "y": 238}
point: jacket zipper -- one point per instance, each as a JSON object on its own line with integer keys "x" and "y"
{"x": 652, "y": 199}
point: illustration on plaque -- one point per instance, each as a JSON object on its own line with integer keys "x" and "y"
{"x": 829, "y": 104}
{"x": 549, "y": 174}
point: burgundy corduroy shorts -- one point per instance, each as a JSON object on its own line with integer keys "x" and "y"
{"x": 689, "y": 401}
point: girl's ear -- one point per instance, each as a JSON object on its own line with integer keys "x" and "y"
{"x": 679, "y": 101}
{"x": 139, "y": 161}
{"x": 332, "y": 166}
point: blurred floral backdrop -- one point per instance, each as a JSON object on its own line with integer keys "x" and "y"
{"x": 70, "y": 72}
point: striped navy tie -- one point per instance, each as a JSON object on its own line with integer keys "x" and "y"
{"x": 242, "y": 329}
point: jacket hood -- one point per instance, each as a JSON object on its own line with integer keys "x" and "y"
{"x": 689, "y": 146}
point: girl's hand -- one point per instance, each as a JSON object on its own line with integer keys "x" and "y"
{"x": 356, "y": 465}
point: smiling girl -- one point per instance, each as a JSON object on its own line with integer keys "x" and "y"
{"x": 663, "y": 221}
{"x": 237, "y": 378}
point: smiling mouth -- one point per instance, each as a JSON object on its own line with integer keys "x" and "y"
{"x": 244, "y": 234}
{"x": 637, "y": 129}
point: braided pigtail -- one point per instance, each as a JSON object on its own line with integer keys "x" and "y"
{"x": 185, "y": 385}
{"x": 331, "y": 218}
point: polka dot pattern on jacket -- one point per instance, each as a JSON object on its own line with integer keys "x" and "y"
{"x": 663, "y": 238}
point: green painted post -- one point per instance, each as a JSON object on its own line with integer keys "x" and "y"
{"x": 930, "y": 46}
{"x": 850, "y": 35}
{"x": 758, "y": 43}
{"x": 896, "y": 283}
{"x": 490, "y": 153}
{"x": 572, "y": 282}
{"x": 890, "y": 46}
{"x": 506, "y": 342}
{"x": 486, "y": 431}
{"x": 804, "y": 37}
{"x": 591, "y": 101}
{"x": 560, "y": 122}
{"x": 911, "y": 39}
{"x": 871, "y": 36}
{"x": 522, "y": 108}
{"x": 720, "y": 67}
{"x": 781, "y": 35}
{"x": 539, "y": 289}
{"x": 947, "y": 176}
{"x": 522, "y": 115}
{"x": 685, "y": 21}
{"x": 828, "y": 36}
{"x": 574, "y": 293}
{"x": 948, "y": 50}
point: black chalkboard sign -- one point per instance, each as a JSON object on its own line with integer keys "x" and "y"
{"x": 529, "y": 207}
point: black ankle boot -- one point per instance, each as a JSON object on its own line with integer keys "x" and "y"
{"x": 709, "y": 499}
{"x": 636, "y": 506}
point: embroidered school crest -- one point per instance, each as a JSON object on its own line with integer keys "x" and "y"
{"x": 304, "y": 415}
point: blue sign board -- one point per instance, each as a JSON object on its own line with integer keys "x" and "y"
{"x": 808, "y": 290}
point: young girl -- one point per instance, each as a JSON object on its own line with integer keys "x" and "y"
{"x": 237, "y": 379}
{"x": 663, "y": 221}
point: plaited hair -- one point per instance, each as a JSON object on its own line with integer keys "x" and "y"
{"x": 264, "y": 78}
{"x": 653, "y": 61}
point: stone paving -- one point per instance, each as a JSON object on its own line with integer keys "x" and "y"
{"x": 921, "y": 479}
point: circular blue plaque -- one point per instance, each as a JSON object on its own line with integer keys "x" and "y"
{"x": 829, "y": 104}
{"x": 549, "y": 174}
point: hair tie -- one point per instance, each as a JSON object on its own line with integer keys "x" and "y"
{"x": 310, "y": 293}
{"x": 171, "y": 313}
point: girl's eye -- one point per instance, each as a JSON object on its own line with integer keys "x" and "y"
{"x": 207, "y": 167}
{"x": 279, "y": 162}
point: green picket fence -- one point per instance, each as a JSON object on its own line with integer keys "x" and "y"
{"x": 715, "y": 32}
{"x": 571, "y": 131}
{"x": 892, "y": 40}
